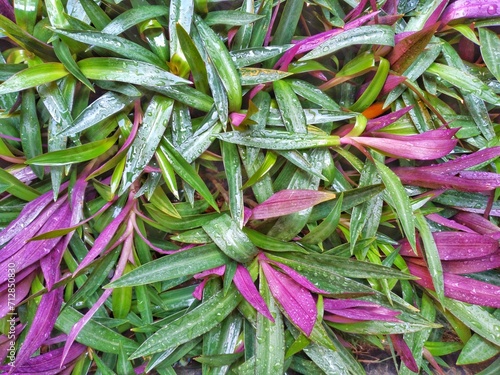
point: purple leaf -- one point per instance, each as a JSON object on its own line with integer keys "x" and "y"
{"x": 460, "y": 288}
{"x": 217, "y": 271}
{"x": 426, "y": 146}
{"x": 198, "y": 291}
{"x": 43, "y": 323}
{"x": 404, "y": 352}
{"x": 359, "y": 310}
{"x": 332, "y": 305}
{"x": 246, "y": 287}
{"x": 477, "y": 223}
{"x": 297, "y": 302}
{"x": 470, "y": 9}
{"x": 50, "y": 264}
{"x": 23, "y": 287}
{"x": 434, "y": 17}
{"x": 29, "y": 215}
{"x": 287, "y": 202}
{"x": 456, "y": 246}
{"x": 7, "y": 10}
{"x": 5, "y": 342}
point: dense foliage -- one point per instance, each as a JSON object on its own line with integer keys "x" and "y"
{"x": 257, "y": 186}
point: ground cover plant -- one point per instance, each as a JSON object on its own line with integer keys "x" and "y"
{"x": 258, "y": 187}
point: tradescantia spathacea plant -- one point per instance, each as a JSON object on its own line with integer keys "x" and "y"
{"x": 259, "y": 187}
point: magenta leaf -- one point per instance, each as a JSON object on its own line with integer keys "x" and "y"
{"x": 430, "y": 145}
{"x": 383, "y": 121}
{"x": 448, "y": 223}
{"x": 460, "y": 288}
{"x": 481, "y": 264}
{"x": 297, "y": 277}
{"x": 297, "y": 302}
{"x": 404, "y": 352}
{"x": 23, "y": 286}
{"x": 286, "y": 202}
{"x": 43, "y": 323}
{"x": 248, "y": 290}
{"x": 470, "y": 9}
{"x": 456, "y": 246}
{"x": 477, "y": 223}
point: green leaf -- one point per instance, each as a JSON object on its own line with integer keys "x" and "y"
{"x": 31, "y": 137}
{"x": 25, "y": 40}
{"x": 270, "y": 243}
{"x": 465, "y": 81}
{"x": 193, "y": 324}
{"x": 490, "y": 45}
{"x": 34, "y": 76}
{"x": 476, "y": 318}
{"x": 102, "y": 108}
{"x": 226, "y": 233}
{"x": 268, "y": 163}
{"x": 148, "y": 138}
{"x": 290, "y": 108}
{"x": 232, "y": 166}
{"x": 399, "y": 200}
{"x": 75, "y": 154}
{"x": 252, "y": 56}
{"x": 186, "y": 172}
{"x": 193, "y": 58}
{"x": 374, "y": 34}
{"x": 374, "y": 88}
{"x": 170, "y": 267}
{"x": 313, "y": 94}
{"x": 326, "y": 227}
{"x": 94, "y": 334}
{"x": 64, "y": 55}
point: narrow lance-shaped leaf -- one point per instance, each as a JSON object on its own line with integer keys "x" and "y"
{"x": 226, "y": 233}
{"x": 34, "y": 76}
{"x": 75, "y": 154}
{"x": 286, "y": 202}
{"x": 147, "y": 140}
{"x": 490, "y": 45}
{"x": 376, "y": 34}
{"x": 399, "y": 200}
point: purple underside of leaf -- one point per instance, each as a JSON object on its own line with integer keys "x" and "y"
{"x": 243, "y": 282}
{"x": 404, "y": 352}
{"x": 296, "y": 301}
{"x": 48, "y": 363}
{"x": 486, "y": 263}
{"x": 43, "y": 323}
{"x": 285, "y": 202}
{"x": 471, "y": 9}
{"x": 465, "y": 181}
{"x": 466, "y": 161}
{"x": 460, "y": 288}
{"x": 409, "y": 148}
{"x": 448, "y": 223}
{"x": 476, "y": 222}
{"x": 103, "y": 240}
{"x": 405, "y": 42}
{"x": 383, "y": 121}
{"x": 198, "y": 291}
{"x": 434, "y": 17}
{"x": 36, "y": 250}
{"x": 457, "y": 246}
{"x": 7, "y": 10}
{"x": 390, "y": 83}
{"x": 22, "y": 289}
{"x": 359, "y": 315}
